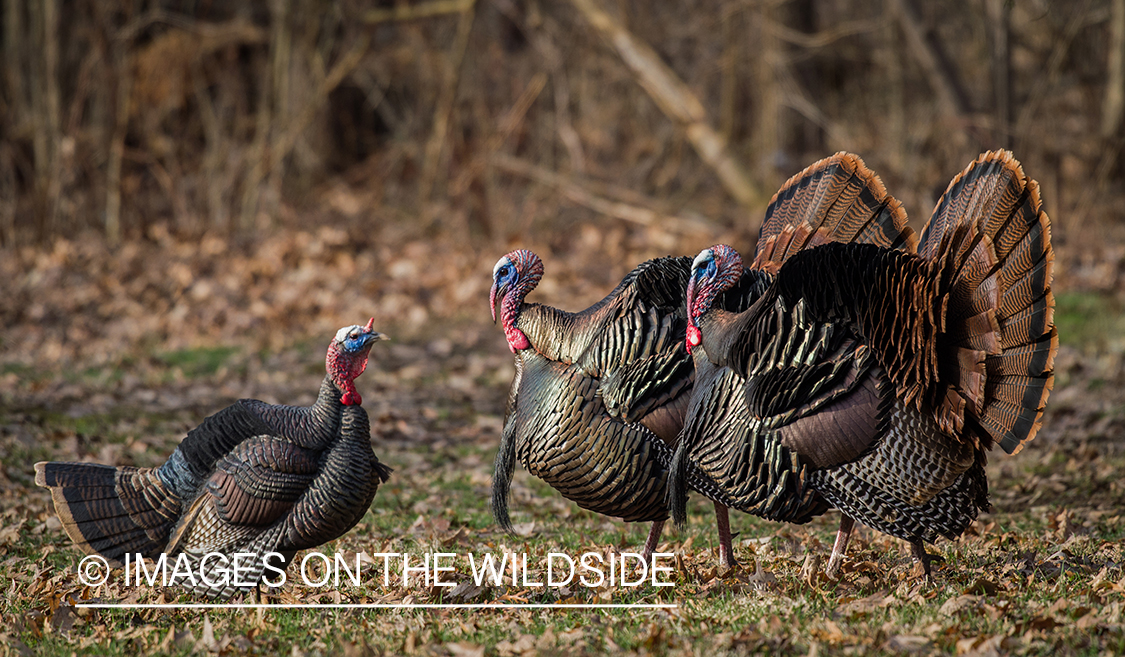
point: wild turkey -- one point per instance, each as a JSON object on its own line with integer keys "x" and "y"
{"x": 878, "y": 378}
{"x": 599, "y": 396}
{"x": 252, "y": 478}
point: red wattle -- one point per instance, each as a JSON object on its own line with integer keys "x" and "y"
{"x": 694, "y": 337}
{"x": 516, "y": 339}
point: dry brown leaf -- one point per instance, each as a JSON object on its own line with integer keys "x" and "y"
{"x": 207, "y": 638}
{"x": 525, "y": 644}
{"x": 465, "y": 649}
{"x": 866, "y": 605}
{"x": 523, "y": 528}
{"x": 959, "y": 605}
{"x": 983, "y": 586}
{"x": 907, "y": 643}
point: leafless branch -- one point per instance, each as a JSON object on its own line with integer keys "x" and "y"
{"x": 826, "y": 37}
{"x": 444, "y": 108}
{"x": 676, "y": 100}
{"x": 578, "y": 191}
{"x": 1113, "y": 106}
{"x": 404, "y": 12}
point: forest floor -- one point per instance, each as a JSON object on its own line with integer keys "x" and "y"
{"x": 111, "y": 356}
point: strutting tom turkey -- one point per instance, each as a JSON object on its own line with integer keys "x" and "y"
{"x": 252, "y": 478}
{"x": 599, "y": 396}
{"x": 873, "y": 377}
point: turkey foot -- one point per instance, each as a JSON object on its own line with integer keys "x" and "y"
{"x": 918, "y": 551}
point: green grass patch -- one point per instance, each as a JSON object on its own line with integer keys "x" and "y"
{"x": 1090, "y": 321}
{"x": 200, "y": 362}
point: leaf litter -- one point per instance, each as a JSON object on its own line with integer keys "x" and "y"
{"x": 111, "y": 357}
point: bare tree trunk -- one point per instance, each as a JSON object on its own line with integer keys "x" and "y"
{"x": 894, "y": 128}
{"x": 444, "y": 109}
{"x": 282, "y": 111}
{"x": 940, "y": 71}
{"x": 286, "y": 136}
{"x": 732, "y": 56}
{"x": 766, "y": 140}
{"x": 1113, "y": 106}
{"x": 54, "y": 103}
{"x": 45, "y": 104}
{"x": 16, "y": 105}
{"x": 676, "y": 100}
{"x": 1047, "y": 78}
{"x": 999, "y": 14}
{"x": 117, "y": 141}
{"x": 13, "y": 58}
{"x": 264, "y": 125}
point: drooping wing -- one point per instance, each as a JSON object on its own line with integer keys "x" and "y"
{"x": 253, "y": 486}
{"x": 644, "y": 363}
{"x": 635, "y": 342}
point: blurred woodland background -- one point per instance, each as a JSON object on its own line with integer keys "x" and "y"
{"x": 155, "y": 155}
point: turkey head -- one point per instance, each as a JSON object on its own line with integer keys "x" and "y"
{"x": 347, "y": 358}
{"x": 514, "y": 275}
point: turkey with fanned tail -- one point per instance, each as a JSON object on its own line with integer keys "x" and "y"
{"x": 872, "y": 377}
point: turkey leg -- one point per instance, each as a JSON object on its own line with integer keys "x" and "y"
{"x": 843, "y": 535}
{"x": 722, "y": 522}
{"x": 652, "y": 540}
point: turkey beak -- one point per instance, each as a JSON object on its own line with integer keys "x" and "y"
{"x": 372, "y": 338}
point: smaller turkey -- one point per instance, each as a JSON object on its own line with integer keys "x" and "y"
{"x": 599, "y": 396}
{"x": 874, "y": 377}
{"x": 253, "y": 478}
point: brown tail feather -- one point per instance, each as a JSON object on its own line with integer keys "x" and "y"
{"x": 837, "y": 199}
{"x": 995, "y": 200}
{"x": 776, "y": 249}
{"x": 110, "y": 511}
{"x": 966, "y": 263}
{"x": 1027, "y": 359}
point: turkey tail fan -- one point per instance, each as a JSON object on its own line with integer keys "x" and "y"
{"x": 837, "y": 199}
{"x": 1009, "y": 317}
{"x": 111, "y": 511}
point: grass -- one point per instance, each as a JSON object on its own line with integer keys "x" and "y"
{"x": 198, "y": 362}
{"x": 1041, "y": 575}
{"x": 1090, "y": 320}
{"x": 1019, "y": 582}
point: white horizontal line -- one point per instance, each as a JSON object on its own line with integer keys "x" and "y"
{"x": 99, "y": 605}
